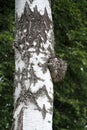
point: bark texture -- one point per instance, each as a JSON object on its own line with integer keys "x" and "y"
{"x": 33, "y": 45}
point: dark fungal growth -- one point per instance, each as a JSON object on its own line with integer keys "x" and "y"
{"x": 58, "y": 68}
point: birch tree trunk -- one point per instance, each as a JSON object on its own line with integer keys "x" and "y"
{"x": 33, "y": 96}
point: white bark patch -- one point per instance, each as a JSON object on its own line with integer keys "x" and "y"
{"x": 27, "y": 84}
{"x": 17, "y": 91}
{"x": 19, "y": 63}
{"x": 41, "y": 5}
{"x": 32, "y": 119}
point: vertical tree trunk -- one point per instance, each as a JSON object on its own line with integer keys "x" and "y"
{"x": 33, "y": 105}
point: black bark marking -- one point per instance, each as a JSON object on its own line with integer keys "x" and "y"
{"x": 27, "y": 96}
{"x": 49, "y": 121}
{"x": 43, "y": 66}
{"x": 19, "y": 121}
{"x": 35, "y": 25}
{"x": 31, "y": 1}
{"x": 51, "y": 110}
{"x": 44, "y": 111}
{"x": 33, "y": 79}
{"x": 43, "y": 91}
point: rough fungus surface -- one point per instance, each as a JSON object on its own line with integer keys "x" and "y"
{"x": 58, "y": 68}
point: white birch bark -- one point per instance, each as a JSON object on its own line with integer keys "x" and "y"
{"x": 33, "y": 96}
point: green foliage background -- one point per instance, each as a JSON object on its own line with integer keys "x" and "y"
{"x": 70, "y": 95}
{"x": 6, "y": 63}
